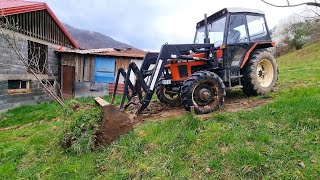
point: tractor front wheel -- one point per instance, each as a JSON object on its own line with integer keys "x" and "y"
{"x": 260, "y": 73}
{"x": 204, "y": 91}
{"x": 166, "y": 96}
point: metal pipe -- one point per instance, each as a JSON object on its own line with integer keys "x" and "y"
{"x": 207, "y": 39}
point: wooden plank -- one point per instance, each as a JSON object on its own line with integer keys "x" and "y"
{"x": 76, "y": 67}
{"x": 86, "y": 69}
{"x": 121, "y": 63}
{"x": 101, "y": 101}
{"x": 19, "y": 23}
{"x": 80, "y": 59}
{"x": 54, "y": 27}
{"x": 92, "y": 66}
{"x": 49, "y": 29}
{"x": 33, "y": 22}
{"x": 19, "y": 91}
{"x": 45, "y": 26}
{"x": 28, "y": 24}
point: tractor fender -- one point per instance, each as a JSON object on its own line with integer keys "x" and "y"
{"x": 257, "y": 45}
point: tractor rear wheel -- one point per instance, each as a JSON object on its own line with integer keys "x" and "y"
{"x": 204, "y": 91}
{"x": 167, "y": 97}
{"x": 260, "y": 73}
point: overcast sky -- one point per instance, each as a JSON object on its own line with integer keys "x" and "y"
{"x": 147, "y": 24}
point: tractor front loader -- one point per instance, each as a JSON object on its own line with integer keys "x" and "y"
{"x": 234, "y": 53}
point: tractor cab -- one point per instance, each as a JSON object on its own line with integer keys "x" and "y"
{"x": 233, "y": 26}
{"x": 238, "y": 32}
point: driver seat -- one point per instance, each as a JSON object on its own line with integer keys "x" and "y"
{"x": 233, "y": 36}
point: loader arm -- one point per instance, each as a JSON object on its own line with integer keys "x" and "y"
{"x": 167, "y": 53}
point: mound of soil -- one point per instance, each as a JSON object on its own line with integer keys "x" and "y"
{"x": 114, "y": 124}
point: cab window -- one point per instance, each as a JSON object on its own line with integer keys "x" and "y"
{"x": 237, "y": 32}
{"x": 257, "y": 28}
{"x": 216, "y": 32}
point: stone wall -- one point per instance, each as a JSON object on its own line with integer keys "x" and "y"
{"x": 8, "y": 101}
{"x": 12, "y": 68}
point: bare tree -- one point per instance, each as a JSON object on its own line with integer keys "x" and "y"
{"x": 41, "y": 71}
{"x": 288, "y": 4}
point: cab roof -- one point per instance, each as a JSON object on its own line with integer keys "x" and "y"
{"x": 236, "y": 10}
{"x": 225, "y": 11}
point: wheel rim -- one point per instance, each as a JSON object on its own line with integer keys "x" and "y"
{"x": 265, "y": 73}
{"x": 205, "y": 95}
{"x": 168, "y": 96}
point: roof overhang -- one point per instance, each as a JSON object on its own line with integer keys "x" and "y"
{"x": 19, "y": 6}
{"x": 130, "y": 53}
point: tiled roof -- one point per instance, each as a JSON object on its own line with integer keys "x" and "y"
{"x": 109, "y": 52}
{"x": 10, "y": 7}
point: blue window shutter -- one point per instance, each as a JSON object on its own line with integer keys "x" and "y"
{"x": 104, "y": 69}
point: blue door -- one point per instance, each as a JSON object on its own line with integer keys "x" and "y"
{"x": 104, "y": 69}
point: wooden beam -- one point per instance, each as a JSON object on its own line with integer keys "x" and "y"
{"x": 33, "y": 22}
{"x": 29, "y": 23}
{"x": 101, "y": 101}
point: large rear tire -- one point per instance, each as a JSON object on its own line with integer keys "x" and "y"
{"x": 260, "y": 73}
{"x": 204, "y": 91}
{"x": 169, "y": 98}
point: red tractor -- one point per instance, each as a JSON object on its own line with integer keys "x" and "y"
{"x": 230, "y": 49}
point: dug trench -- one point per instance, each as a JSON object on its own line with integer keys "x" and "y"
{"x": 157, "y": 111}
{"x": 116, "y": 123}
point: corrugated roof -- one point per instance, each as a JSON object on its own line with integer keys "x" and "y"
{"x": 109, "y": 52}
{"x": 10, "y": 7}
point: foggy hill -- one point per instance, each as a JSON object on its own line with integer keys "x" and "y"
{"x": 93, "y": 40}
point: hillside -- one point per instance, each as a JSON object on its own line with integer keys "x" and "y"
{"x": 278, "y": 140}
{"x": 94, "y": 40}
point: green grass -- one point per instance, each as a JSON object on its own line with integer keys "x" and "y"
{"x": 280, "y": 140}
{"x": 28, "y": 114}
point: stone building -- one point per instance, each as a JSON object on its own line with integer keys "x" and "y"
{"x": 37, "y": 32}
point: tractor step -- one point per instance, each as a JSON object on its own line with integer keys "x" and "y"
{"x": 235, "y": 77}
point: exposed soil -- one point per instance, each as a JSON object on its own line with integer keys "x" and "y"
{"x": 116, "y": 123}
{"x": 157, "y": 111}
{"x": 238, "y": 104}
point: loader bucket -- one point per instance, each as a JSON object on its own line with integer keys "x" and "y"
{"x": 114, "y": 123}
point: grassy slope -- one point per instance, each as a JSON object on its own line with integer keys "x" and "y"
{"x": 280, "y": 139}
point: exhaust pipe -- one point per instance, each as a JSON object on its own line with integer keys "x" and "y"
{"x": 206, "y": 39}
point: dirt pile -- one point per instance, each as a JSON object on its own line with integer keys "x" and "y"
{"x": 114, "y": 124}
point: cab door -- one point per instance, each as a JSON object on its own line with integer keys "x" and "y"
{"x": 237, "y": 43}
{"x": 237, "y": 39}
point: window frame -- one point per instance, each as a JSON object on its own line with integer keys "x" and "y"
{"x": 268, "y": 38}
{"x": 20, "y": 90}
{"x": 225, "y": 26}
{"x": 43, "y": 53}
{"x": 228, "y": 26}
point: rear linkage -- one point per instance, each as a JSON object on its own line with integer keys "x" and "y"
{"x": 167, "y": 53}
